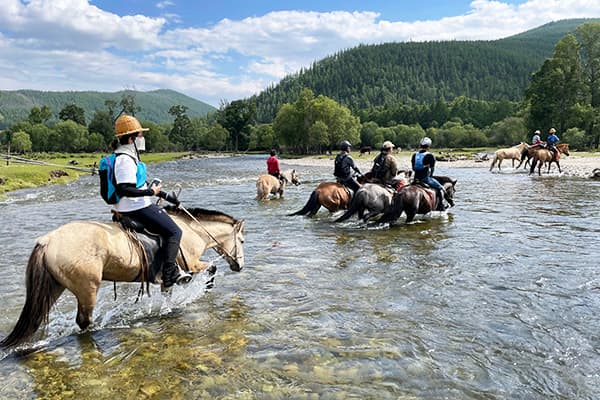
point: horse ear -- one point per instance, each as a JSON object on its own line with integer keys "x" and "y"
{"x": 240, "y": 225}
{"x": 453, "y": 181}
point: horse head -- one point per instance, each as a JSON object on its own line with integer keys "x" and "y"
{"x": 563, "y": 148}
{"x": 225, "y": 233}
{"x": 291, "y": 176}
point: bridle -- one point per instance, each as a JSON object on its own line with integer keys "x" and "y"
{"x": 218, "y": 248}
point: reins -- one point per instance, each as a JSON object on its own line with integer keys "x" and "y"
{"x": 223, "y": 251}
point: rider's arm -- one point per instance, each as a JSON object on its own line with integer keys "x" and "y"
{"x": 129, "y": 190}
{"x": 430, "y": 159}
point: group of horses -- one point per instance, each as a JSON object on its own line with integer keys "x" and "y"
{"x": 374, "y": 199}
{"x": 524, "y": 153}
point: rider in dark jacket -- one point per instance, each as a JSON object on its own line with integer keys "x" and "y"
{"x": 344, "y": 165}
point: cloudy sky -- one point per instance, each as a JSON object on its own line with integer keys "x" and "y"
{"x": 227, "y": 50}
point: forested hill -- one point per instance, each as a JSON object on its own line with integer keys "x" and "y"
{"x": 392, "y": 73}
{"x": 154, "y": 105}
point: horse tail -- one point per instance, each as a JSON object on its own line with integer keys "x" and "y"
{"x": 354, "y": 207}
{"x": 494, "y": 161}
{"x": 393, "y": 212}
{"x": 311, "y": 206}
{"x": 42, "y": 292}
{"x": 262, "y": 191}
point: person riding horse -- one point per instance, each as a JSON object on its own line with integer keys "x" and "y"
{"x": 273, "y": 165}
{"x": 135, "y": 196}
{"x": 552, "y": 140}
{"x": 536, "y": 141}
{"x": 344, "y": 164}
{"x": 385, "y": 168}
{"x": 423, "y": 165}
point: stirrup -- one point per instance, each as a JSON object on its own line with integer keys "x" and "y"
{"x": 183, "y": 277}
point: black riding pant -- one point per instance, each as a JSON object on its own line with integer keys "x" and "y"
{"x": 350, "y": 183}
{"x": 156, "y": 220}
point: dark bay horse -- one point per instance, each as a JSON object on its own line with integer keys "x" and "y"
{"x": 79, "y": 255}
{"x": 331, "y": 195}
{"x": 540, "y": 156}
{"x": 416, "y": 199}
{"x": 374, "y": 197}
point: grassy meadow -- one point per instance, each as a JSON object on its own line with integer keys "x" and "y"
{"x": 19, "y": 175}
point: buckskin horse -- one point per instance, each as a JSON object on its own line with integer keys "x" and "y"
{"x": 513, "y": 153}
{"x": 416, "y": 199}
{"x": 268, "y": 184}
{"x": 79, "y": 255}
{"x": 540, "y": 156}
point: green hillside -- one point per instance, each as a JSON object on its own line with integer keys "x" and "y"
{"x": 407, "y": 73}
{"x": 15, "y": 105}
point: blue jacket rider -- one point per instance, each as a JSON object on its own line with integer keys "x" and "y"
{"x": 552, "y": 140}
{"x": 423, "y": 165}
{"x": 344, "y": 164}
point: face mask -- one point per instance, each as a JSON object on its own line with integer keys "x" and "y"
{"x": 140, "y": 143}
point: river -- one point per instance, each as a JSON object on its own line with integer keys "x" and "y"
{"x": 496, "y": 299}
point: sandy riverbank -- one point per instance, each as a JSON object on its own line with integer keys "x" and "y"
{"x": 573, "y": 165}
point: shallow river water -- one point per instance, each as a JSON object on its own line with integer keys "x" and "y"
{"x": 497, "y": 299}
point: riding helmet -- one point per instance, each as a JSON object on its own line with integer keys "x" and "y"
{"x": 425, "y": 142}
{"x": 345, "y": 145}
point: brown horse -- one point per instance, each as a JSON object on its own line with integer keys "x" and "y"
{"x": 333, "y": 196}
{"x": 416, "y": 199}
{"x": 268, "y": 184}
{"x": 540, "y": 156}
{"x": 512, "y": 153}
{"x": 79, "y": 255}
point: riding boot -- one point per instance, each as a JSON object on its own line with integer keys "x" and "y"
{"x": 171, "y": 272}
{"x": 440, "y": 200}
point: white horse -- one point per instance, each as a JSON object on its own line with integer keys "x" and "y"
{"x": 268, "y": 184}
{"x": 513, "y": 153}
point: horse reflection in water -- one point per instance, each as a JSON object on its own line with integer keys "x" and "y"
{"x": 268, "y": 184}
{"x": 77, "y": 256}
{"x": 416, "y": 199}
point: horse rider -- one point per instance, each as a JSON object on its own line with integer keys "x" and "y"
{"x": 385, "y": 168}
{"x": 135, "y": 195}
{"x": 423, "y": 165}
{"x": 552, "y": 140}
{"x": 344, "y": 164}
{"x": 273, "y": 165}
{"x": 536, "y": 141}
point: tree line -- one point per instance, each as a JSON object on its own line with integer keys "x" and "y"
{"x": 563, "y": 93}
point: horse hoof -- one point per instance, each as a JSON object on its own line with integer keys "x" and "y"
{"x": 183, "y": 278}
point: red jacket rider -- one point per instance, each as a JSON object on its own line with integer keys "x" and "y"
{"x": 273, "y": 165}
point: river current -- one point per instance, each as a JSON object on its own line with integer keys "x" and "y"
{"x": 496, "y": 299}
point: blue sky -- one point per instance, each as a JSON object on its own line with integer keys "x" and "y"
{"x": 226, "y": 50}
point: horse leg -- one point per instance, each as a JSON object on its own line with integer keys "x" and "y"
{"x": 86, "y": 301}
{"x": 212, "y": 271}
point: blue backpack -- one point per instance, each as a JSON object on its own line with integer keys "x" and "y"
{"x": 108, "y": 184}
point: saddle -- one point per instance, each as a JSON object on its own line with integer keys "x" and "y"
{"x": 431, "y": 194}
{"x": 149, "y": 242}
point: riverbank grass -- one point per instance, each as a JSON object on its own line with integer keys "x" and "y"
{"x": 20, "y": 175}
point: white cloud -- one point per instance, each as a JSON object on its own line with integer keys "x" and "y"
{"x": 164, "y": 4}
{"x": 73, "y": 45}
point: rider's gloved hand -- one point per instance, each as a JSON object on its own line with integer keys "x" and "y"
{"x": 170, "y": 197}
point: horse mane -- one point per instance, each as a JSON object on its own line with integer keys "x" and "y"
{"x": 203, "y": 214}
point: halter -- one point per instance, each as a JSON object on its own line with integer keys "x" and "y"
{"x": 219, "y": 249}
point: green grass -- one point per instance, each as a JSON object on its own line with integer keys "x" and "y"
{"x": 22, "y": 176}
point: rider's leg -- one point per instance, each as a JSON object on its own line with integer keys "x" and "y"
{"x": 158, "y": 221}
